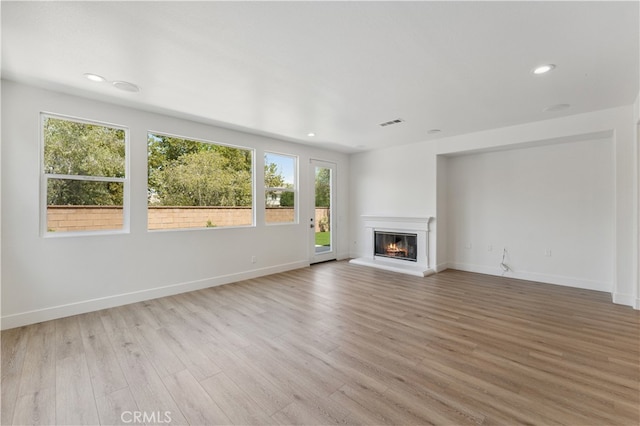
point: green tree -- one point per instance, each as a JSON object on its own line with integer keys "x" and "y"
{"x": 323, "y": 187}
{"x": 190, "y": 173}
{"x": 272, "y": 177}
{"x": 287, "y": 198}
{"x": 82, "y": 149}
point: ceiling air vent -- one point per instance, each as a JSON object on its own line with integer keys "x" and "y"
{"x": 389, "y": 123}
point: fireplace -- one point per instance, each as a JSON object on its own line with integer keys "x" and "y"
{"x": 396, "y": 245}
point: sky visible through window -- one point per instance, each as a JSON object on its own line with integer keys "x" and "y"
{"x": 285, "y": 166}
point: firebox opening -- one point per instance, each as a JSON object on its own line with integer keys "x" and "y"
{"x": 396, "y": 245}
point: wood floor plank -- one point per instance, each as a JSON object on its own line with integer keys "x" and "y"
{"x": 36, "y": 396}
{"x": 164, "y": 309}
{"x": 308, "y": 348}
{"x": 221, "y": 333}
{"x": 163, "y": 359}
{"x": 112, "y": 320}
{"x": 335, "y": 344}
{"x": 295, "y": 374}
{"x": 37, "y": 408}
{"x": 194, "y": 402}
{"x": 75, "y": 403}
{"x": 504, "y": 399}
{"x": 14, "y": 350}
{"x": 117, "y": 408}
{"x": 307, "y": 413}
{"x": 239, "y": 407}
{"x": 384, "y": 410}
{"x": 68, "y": 338}
{"x": 146, "y": 386}
{"x": 188, "y": 352}
{"x": 104, "y": 369}
{"x": 138, "y": 314}
{"x": 252, "y": 380}
{"x": 309, "y": 392}
{"x": 91, "y": 324}
{"x": 38, "y": 370}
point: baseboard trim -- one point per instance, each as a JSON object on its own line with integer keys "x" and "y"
{"x": 61, "y": 311}
{"x": 342, "y": 256}
{"x": 626, "y": 299}
{"x": 441, "y": 267}
{"x": 534, "y": 276}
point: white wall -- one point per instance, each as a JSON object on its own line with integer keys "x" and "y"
{"x": 442, "y": 214}
{"x": 392, "y": 182}
{"x": 557, "y": 198}
{"x": 44, "y": 278}
{"x": 426, "y": 192}
{"x": 636, "y": 116}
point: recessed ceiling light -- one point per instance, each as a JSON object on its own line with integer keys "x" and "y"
{"x": 94, "y": 77}
{"x": 433, "y": 131}
{"x": 556, "y": 107}
{"x": 543, "y": 69}
{"x": 126, "y": 86}
{"x": 311, "y": 134}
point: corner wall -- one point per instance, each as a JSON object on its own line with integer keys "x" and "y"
{"x": 46, "y": 278}
{"x": 427, "y": 192}
{"x": 551, "y": 207}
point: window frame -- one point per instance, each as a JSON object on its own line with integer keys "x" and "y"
{"x": 295, "y": 190}
{"x": 45, "y": 177}
{"x": 207, "y": 141}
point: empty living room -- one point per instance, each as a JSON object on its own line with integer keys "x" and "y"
{"x": 320, "y": 212}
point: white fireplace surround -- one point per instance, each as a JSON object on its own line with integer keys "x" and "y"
{"x": 411, "y": 225}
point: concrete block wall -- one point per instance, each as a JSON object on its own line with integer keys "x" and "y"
{"x": 83, "y": 218}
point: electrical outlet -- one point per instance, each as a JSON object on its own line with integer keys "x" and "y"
{"x": 489, "y": 247}
{"x": 547, "y": 252}
{"x": 253, "y": 259}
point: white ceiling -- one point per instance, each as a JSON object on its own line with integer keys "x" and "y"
{"x": 337, "y": 69}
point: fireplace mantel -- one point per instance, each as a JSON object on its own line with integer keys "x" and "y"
{"x": 417, "y": 225}
{"x": 400, "y": 223}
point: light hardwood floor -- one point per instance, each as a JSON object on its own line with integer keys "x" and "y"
{"x": 334, "y": 343}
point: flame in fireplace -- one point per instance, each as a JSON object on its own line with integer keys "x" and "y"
{"x": 394, "y": 250}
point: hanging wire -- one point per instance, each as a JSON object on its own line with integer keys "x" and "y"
{"x": 503, "y": 266}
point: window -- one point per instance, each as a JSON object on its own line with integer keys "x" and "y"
{"x": 280, "y": 188}
{"x": 195, "y": 184}
{"x": 84, "y": 176}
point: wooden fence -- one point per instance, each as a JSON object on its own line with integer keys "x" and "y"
{"x": 83, "y": 218}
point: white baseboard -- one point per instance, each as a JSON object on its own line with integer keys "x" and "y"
{"x": 54, "y": 312}
{"x": 534, "y": 276}
{"x": 441, "y": 267}
{"x": 626, "y": 299}
{"x": 342, "y": 256}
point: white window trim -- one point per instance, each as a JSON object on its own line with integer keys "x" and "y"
{"x": 44, "y": 178}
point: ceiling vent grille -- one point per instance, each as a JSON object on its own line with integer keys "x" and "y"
{"x": 389, "y": 123}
